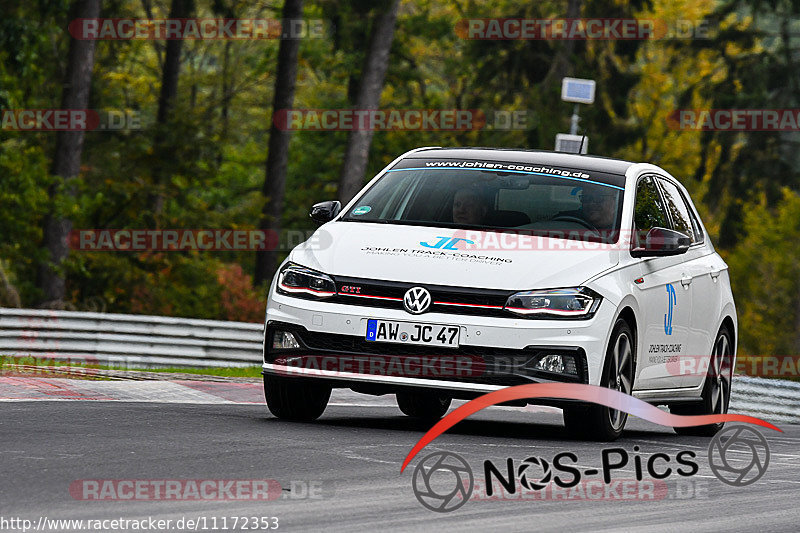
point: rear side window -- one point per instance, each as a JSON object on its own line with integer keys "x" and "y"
{"x": 649, "y": 210}
{"x": 682, "y": 217}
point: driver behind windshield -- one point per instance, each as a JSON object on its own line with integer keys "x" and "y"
{"x": 469, "y": 207}
{"x": 598, "y": 208}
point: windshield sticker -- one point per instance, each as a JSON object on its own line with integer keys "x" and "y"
{"x": 362, "y": 210}
{"x": 530, "y": 169}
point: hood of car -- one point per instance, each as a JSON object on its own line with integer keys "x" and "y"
{"x": 455, "y": 257}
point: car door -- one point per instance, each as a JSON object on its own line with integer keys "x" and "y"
{"x": 664, "y": 294}
{"x": 702, "y": 265}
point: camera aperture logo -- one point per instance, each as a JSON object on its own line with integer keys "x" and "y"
{"x": 443, "y": 482}
{"x": 738, "y": 455}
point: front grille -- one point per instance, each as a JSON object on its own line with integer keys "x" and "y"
{"x": 446, "y": 299}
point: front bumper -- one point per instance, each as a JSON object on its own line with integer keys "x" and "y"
{"x": 494, "y": 353}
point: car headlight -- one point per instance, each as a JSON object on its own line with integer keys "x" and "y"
{"x": 578, "y": 302}
{"x": 296, "y": 279}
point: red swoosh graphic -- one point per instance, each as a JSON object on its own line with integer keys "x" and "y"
{"x": 576, "y": 391}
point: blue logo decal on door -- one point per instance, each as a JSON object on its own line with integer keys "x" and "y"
{"x": 672, "y": 300}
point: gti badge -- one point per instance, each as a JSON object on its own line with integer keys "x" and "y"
{"x": 417, "y": 300}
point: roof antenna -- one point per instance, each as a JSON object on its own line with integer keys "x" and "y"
{"x": 580, "y": 150}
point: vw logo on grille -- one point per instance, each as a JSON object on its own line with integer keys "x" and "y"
{"x": 417, "y": 300}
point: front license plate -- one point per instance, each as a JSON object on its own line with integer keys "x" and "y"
{"x": 412, "y": 333}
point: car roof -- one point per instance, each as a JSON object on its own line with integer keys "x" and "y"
{"x": 538, "y": 157}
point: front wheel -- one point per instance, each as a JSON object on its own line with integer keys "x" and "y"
{"x": 598, "y": 422}
{"x": 425, "y": 406}
{"x": 297, "y": 399}
{"x": 716, "y": 389}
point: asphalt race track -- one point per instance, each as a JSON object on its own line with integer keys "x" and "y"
{"x": 342, "y": 473}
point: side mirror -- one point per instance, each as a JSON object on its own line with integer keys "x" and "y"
{"x": 661, "y": 242}
{"x": 325, "y": 211}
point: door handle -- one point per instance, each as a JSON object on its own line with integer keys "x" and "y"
{"x": 686, "y": 280}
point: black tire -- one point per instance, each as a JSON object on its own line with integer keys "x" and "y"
{"x": 598, "y": 422}
{"x": 295, "y": 398}
{"x": 424, "y": 406}
{"x": 716, "y": 388}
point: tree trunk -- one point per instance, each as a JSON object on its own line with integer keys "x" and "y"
{"x": 179, "y": 9}
{"x": 67, "y": 158}
{"x": 172, "y": 63}
{"x": 369, "y": 93}
{"x": 278, "y": 149}
{"x": 9, "y": 296}
{"x": 562, "y": 62}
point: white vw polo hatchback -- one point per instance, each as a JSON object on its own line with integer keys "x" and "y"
{"x": 457, "y": 272}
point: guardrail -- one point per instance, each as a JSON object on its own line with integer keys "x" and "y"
{"x": 775, "y": 400}
{"x": 131, "y": 341}
{"x": 128, "y": 340}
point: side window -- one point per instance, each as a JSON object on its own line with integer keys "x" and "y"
{"x": 649, "y": 209}
{"x": 682, "y": 220}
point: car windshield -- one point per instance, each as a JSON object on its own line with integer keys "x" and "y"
{"x": 524, "y": 197}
